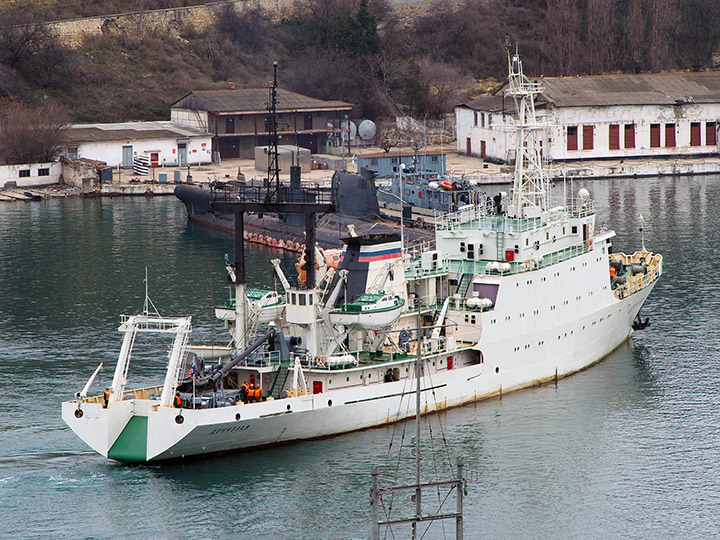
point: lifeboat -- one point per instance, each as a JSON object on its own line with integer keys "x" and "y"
{"x": 371, "y": 311}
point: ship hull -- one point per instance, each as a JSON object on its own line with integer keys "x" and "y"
{"x": 115, "y": 432}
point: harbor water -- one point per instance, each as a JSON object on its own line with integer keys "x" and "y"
{"x": 626, "y": 449}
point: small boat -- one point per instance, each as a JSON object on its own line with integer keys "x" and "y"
{"x": 369, "y": 311}
{"x": 266, "y": 304}
{"x": 32, "y": 196}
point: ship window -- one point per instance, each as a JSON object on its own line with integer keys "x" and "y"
{"x": 310, "y": 299}
{"x": 301, "y": 297}
{"x": 462, "y": 247}
{"x": 294, "y": 301}
{"x": 470, "y": 251}
{"x": 574, "y": 229}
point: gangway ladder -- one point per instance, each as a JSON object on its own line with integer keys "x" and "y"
{"x": 464, "y": 284}
{"x": 281, "y": 376}
{"x": 500, "y": 237}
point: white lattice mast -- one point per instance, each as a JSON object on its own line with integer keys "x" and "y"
{"x": 530, "y": 187}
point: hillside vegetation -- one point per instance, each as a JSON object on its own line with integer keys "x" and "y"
{"x": 361, "y": 51}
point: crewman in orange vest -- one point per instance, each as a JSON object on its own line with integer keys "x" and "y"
{"x": 244, "y": 392}
{"x": 178, "y": 401}
{"x": 106, "y": 398}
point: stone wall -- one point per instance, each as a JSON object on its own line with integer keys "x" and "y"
{"x": 72, "y": 32}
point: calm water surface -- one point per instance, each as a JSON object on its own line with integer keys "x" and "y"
{"x": 626, "y": 449}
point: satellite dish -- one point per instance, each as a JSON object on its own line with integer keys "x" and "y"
{"x": 367, "y": 130}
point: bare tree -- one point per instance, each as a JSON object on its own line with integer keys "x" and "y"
{"x": 563, "y": 21}
{"x": 599, "y": 34}
{"x": 30, "y": 135}
{"x": 663, "y": 18}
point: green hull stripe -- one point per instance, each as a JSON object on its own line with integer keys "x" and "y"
{"x": 131, "y": 445}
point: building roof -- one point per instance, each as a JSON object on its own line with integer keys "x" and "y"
{"x": 635, "y": 89}
{"x": 618, "y": 89}
{"x": 79, "y": 133}
{"x": 253, "y": 100}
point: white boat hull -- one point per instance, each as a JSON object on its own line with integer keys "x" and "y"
{"x": 342, "y": 410}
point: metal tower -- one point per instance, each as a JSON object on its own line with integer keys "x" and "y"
{"x": 531, "y": 188}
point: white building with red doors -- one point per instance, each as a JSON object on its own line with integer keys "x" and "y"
{"x": 603, "y": 116}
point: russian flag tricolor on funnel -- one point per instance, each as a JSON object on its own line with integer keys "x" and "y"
{"x": 381, "y": 253}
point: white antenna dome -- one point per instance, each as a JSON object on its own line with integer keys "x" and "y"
{"x": 583, "y": 195}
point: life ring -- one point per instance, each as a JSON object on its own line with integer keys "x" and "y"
{"x": 320, "y": 361}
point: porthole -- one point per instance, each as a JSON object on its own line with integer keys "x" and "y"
{"x": 288, "y": 407}
{"x": 329, "y": 402}
{"x": 348, "y": 379}
{"x": 179, "y": 419}
{"x": 78, "y": 413}
{"x": 237, "y": 416}
{"x": 497, "y": 370}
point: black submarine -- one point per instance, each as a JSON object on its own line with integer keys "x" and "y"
{"x": 358, "y": 212}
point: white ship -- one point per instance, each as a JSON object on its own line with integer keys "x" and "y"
{"x": 508, "y": 297}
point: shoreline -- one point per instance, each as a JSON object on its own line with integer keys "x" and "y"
{"x": 125, "y": 183}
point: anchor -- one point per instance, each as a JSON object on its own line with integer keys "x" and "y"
{"x": 639, "y": 324}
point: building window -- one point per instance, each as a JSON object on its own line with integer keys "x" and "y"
{"x": 229, "y": 125}
{"x": 588, "y": 136}
{"x": 572, "y": 138}
{"x": 25, "y": 173}
{"x": 482, "y": 119}
{"x": 654, "y": 135}
{"x": 43, "y": 172}
{"x": 72, "y": 152}
{"x": 476, "y": 114}
{"x": 308, "y": 122}
{"x": 373, "y": 161}
{"x": 614, "y": 137}
{"x": 710, "y": 133}
{"x": 434, "y": 159}
{"x": 489, "y": 119}
{"x": 670, "y": 135}
{"x": 629, "y": 135}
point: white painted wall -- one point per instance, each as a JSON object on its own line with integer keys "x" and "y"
{"x": 492, "y": 128}
{"x": 199, "y": 150}
{"x": 500, "y": 137}
{"x": 11, "y": 173}
{"x": 191, "y": 118}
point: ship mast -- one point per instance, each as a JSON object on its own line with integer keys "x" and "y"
{"x": 530, "y": 186}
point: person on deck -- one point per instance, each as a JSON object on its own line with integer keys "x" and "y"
{"x": 244, "y": 392}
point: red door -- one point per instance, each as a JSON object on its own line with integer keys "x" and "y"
{"x": 670, "y": 135}
{"x": 588, "y": 137}
{"x": 654, "y": 135}
{"x": 614, "y": 137}
{"x": 629, "y": 135}
{"x": 695, "y": 134}
{"x": 710, "y": 138}
{"x": 469, "y": 147}
{"x": 317, "y": 387}
{"x": 482, "y": 150}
